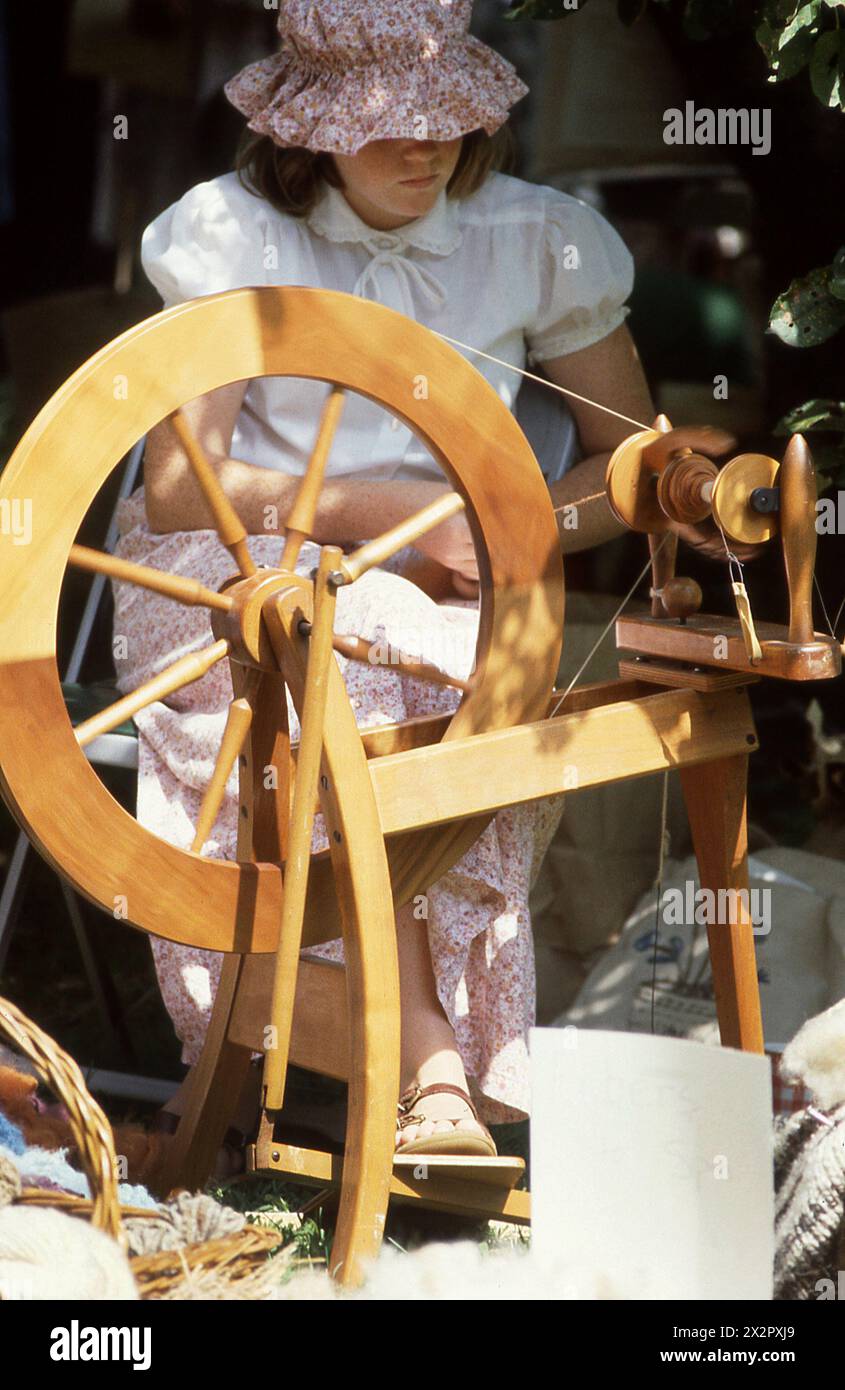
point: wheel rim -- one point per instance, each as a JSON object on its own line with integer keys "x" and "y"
{"x": 82, "y": 434}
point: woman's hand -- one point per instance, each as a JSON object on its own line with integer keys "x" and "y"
{"x": 463, "y": 587}
{"x": 451, "y": 544}
{"x": 713, "y": 547}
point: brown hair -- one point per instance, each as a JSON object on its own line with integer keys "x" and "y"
{"x": 289, "y": 176}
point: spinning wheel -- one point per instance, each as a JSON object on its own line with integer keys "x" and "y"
{"x": 274, "y": 627}
{"x": 401, "y": 804}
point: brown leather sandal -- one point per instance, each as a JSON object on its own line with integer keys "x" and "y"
{"x": 461, "y": 1142}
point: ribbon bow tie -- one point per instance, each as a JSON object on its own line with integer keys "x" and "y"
{"x": 407, "y": 274}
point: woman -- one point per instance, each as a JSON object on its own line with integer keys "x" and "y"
{"x": 372, "y": 167}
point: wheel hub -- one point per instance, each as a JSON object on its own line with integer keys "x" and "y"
{"x": 244, "y": 626}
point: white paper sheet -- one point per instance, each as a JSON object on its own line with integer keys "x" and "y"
{"x": 651, "y": 1163}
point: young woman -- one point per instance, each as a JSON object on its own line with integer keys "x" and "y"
{"x": 373, "y": 165}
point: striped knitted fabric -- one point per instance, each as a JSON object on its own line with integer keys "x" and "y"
{"x": 809, "y": 1204}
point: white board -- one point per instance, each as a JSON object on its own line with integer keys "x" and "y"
{"x": 651, "y": 1163}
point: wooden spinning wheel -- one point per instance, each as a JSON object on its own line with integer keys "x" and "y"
{"x": 262, "y": 623}
{"x": 401, "y": 804}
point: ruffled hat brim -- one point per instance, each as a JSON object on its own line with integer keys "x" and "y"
{"x": 469, "y": 88}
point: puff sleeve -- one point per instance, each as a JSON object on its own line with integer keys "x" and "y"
{"x": 586, "y": 273}
{"x": 208, "y": 241}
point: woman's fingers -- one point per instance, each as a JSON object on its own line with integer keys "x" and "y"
{"x": 702, "y": 439}
{"x": 463, "y": 586}
{"x": 451, "y": 544}
{"x": 713, "y": 546}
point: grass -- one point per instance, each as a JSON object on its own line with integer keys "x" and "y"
{"x": 407, "y": 1229}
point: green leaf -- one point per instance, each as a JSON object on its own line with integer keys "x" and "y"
{"x": 774, "y": 16}
{"x": 787, "y": 35}
{"x": 828, "y": 454}
{"x": 807, "y": 313}
{"x": 794, "y": 56}
{"x": 804, "y": 18}
{"x": 813, "y": 415}
{"x": 827, "y": 69}
{"x": 829, "y": 462}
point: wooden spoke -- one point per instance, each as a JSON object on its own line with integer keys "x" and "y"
{"x": 300, "y": 523}
{"x": 238, "y": 721}
{"x": 320, "y": 658}
{"x": 359, "y": 649}
{"x": 229, "y": 526}
{"x": 375, "y": 552}
{"x": 173, "y": 586}
{"x": 183, "y": 672}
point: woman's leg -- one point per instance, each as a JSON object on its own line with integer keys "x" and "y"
{"x": 429, "y": 1052}
{"x": 494, "y": 986}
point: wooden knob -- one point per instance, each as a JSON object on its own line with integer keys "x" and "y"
{"x": 797, "y": 479}
{"x": 681, "y": 597}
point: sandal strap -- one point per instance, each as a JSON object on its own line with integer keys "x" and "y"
{"x": 409, "y": 1098}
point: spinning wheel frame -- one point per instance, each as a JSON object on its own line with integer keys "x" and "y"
{"x": 65, "y": 457}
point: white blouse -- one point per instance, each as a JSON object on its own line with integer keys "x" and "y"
{"x": 519, "y": 270}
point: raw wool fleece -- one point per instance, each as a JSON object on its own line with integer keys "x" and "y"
{"x": 816, "y": 1056}
{"x": 810, "y": 1163}
{"x": 48, "y": 1256}
{"x": 461, "y": 1271}
{"x": 188, "y": 1219}
{"x": 47, "y": 1128}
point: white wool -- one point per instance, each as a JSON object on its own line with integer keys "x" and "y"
{"x": 460, "y": 1271}
{"x": 816, "y": 1057}
{"x": 47, "y": 1255}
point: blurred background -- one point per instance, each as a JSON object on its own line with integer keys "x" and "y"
{"x": 717, "y": 234}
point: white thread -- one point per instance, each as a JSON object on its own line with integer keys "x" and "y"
{"x": 543, "y": 381}
{"x": 588, "y": 658}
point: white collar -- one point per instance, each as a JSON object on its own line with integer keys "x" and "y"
{"x": 436, "y": 231}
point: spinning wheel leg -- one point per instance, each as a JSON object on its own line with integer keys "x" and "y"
{"x": 715, "y": 795}
{"x": 360, "y": 865}
{"x": 219, "y": 1075}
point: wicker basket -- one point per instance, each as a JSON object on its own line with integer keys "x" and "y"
{"x": 240, "y": 1259}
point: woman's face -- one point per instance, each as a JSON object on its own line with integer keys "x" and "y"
{"x": 390, "y": 182}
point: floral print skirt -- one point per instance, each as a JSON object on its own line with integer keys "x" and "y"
{"x": 478, "y": 923}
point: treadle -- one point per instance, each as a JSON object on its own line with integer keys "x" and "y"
{"x": 466, "y": 1186}
{"x": 680, "y": 675}
{"x": 496, "y": 1172}
{"x": 710, "y": 639}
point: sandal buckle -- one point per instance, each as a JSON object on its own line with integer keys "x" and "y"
{"x": 405, "y": 1105}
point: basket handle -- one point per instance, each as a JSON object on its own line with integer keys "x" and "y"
{"x": 90, "y": 1127}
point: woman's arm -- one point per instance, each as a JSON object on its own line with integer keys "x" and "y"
{"x": 611, "y": 373}
{"x": 356, "y": 508}
{"x": 349, "y": 508}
